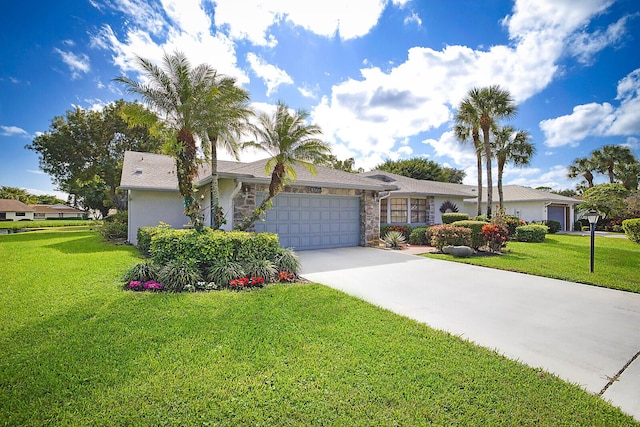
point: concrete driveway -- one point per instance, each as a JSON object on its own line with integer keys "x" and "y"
{"x": 584, "y": 334}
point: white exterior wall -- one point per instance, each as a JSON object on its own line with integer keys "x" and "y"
{"x": 225, "y": 189}
{"x": 469, "y": 209}
{"x": 148, "y": 208}
{"x": 534, "y": 211}
{"x": 12, "y": 216}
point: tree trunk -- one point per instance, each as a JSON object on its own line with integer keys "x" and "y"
{"x": 485, "y": 124}
{"x": 588, "y": 176}
{"x": 216, "y": 214}
{"x": 275, "y": 187}
{"x": 500, "y": 193}
{"x": 479, "y": 199}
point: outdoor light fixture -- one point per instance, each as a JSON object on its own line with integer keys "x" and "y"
{"x": 592, "y": 216}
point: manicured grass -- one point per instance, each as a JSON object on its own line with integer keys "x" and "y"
{"x": 77, "y": 350}
{"x": 567, "y": 257}
{"x": 19, "y": 225}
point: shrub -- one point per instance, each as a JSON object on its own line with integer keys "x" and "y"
{"x": 145, "y": 234}
{"x": 531, "y": 233}
{"x": 510, "y": 222}
{"x": 418, "y": 236}
{"x": 394, "y": 239}
{"x": 554, "y": 226}
{"x": 577, "y": 226}
{"x": 223, "y": 273}
{"x": 259, "y": 267}
{"x": 114, "y": 227}
{"x": 631, "y": 228}
{"x": 209, "y": 247}
{"x": 495, "y": 236}
{"x": 481, "y": 218}
{"x": 287, "y": 261}
{"x": 451, "y": 217}
{"x": 449, "y": 235}
{"x": 143, "y": 272}
{"x": 476, "y": 229}
{"x": 177, "y": 276}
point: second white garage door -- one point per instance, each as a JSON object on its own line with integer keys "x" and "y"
{"x": 304, "y": 221}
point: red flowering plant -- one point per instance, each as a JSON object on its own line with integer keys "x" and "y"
{"x": 247, "y": 282}
{"x": 285, "y": 276}
{"x": 495, "y": 236}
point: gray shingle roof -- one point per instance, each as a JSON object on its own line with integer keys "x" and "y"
{"x": 517, "y": 193}
{"x": 158, "y": 172}
{"x": 411, "y": 186}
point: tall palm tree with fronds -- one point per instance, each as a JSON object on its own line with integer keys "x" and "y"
{"x": 228, "y": 120}
{"x": 490, "y": 104}
{"x": 468, "y": 126}
{"x": 289, "y": 141}
{"x": 607, "y": 157}
{"x": 583, "y": 167}
{"x": 511, "y": 146}
{"x": 181, "y": 95}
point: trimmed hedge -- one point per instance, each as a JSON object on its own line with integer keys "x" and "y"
{"x": 554, "y": 226}
{"x": 534, "y": 233}
{"x": 207, "y": 247}
{"x": 476, "y": 231}
{"x": 631, "y": 228}
{"x": 451, "y": 217}
{"x": 418, "y": 236}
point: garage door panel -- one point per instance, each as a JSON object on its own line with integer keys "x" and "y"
{"x": 305, "y": 221}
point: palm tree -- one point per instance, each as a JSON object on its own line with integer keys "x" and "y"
{"x": 490, "y": 104}
{"x": 608, "y": 156}
{"x": 467, "y": 125}
{"x": 228, "y": 120}
{"x": 289, "y": 141}
{"x": 511, "y": 146}
{"x": 584, "y": 167}
{"x": 181, "y": 96}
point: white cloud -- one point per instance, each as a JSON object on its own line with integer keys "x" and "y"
{"x": 413, "y": 19}
{"x": 555, "y": 177}
{"x": 595, "y": 119}
{"x": 351, "y": 19}
{"x": 76, "y": 63}
{"x": 585, "y": 45}
{"x": 36, "y": 172}
{"x": 272, "y": 75}
{"x": 632, "y": 143}
{"x": 13, "y": 131}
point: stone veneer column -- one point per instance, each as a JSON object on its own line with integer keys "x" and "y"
{"x": 244, "y": 204}
{"x": 369, "y": 219}
{"x": 431, "y": 211}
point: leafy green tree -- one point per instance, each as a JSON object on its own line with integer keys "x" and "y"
{"x": 289, "y": 141}
{"x": 181, "y": 95}
{"x": 633, "y": 204}
{"x": 607, "y": 157}
{"x": 228, "y": 119}
{"x": 47, "y": 199}
{"x": 467, "y": 128}
{"x": 511, "y": 146}
{"x": 17, "y": 194}
{"x": 583, "y": 167}
{"x": 489, "y": 105}
{"x": 85, "y": 144}
{"x": 419, "y": 168}
{"x": 568, "y": 192}
{"x": 608, "y": 199}
{"x": 346, "y": 165}
{"x": 628, "y": 174}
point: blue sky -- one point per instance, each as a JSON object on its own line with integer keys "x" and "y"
{"x": 381, "y": 77}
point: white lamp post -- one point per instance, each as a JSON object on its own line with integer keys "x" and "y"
{"x": 592, "y": 216}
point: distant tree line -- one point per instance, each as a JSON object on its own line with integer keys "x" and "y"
{"x": 27, "y": 198}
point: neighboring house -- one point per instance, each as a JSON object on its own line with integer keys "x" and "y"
{"x": 330, "y": 209}
{"x": 420, "y": 202}
{"x": 57, "y": 211}
{"x": 14, "y": 210}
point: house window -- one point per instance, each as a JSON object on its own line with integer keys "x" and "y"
{"x": 20, "y": 214}
{"x": 383, "y": 211}
{"x": 399, "y": 211}
{"x": 418, "y": 210}
{"x": 60, "y": 215}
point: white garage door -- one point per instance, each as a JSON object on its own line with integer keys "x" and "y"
{"x": 304, "y": 221}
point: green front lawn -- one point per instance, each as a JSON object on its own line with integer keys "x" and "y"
{"x": 567, "y": 257}
{"x": 77, "y": 350}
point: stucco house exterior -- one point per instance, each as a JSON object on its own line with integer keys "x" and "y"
{"x": 330, "y": 209}
{"x": 57, "y": 211}
{"x": 419, "y": 202}
{"x": 14, "y": 210}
